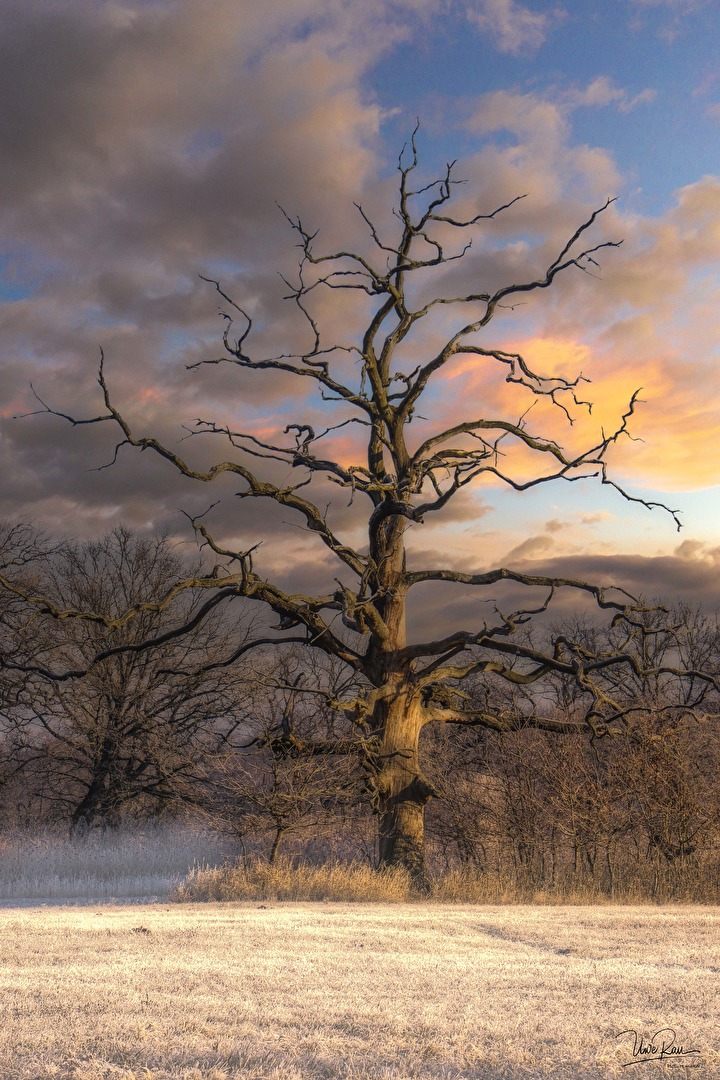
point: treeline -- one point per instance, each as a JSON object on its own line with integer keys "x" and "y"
{"x": 634, "y": 814}
{"x": 200, "y": 727}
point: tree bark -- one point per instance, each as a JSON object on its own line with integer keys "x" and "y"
{"x": 93, "y": 805}
{"x": 277, "y": 841}
{"x": 402, "y": 790}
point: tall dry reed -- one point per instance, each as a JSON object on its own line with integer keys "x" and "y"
{"x": 258, "y": 880}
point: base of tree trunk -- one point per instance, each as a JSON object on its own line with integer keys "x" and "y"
{"x": 402, "y": 841}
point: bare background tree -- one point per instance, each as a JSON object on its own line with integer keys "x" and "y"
{"x": 636, "y": 814}
{"x": 296, "y": 777}
{"x": 399, "y": 474}
{"x": 129, "y": 734}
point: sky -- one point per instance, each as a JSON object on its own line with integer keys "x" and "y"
{"x": 148, "y": 142}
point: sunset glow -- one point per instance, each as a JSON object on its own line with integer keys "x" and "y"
{"x": 149, "y": 143}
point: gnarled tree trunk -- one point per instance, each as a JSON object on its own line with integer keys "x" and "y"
{"x": 401, "y": 789}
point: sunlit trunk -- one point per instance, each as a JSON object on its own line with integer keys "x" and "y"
{"x": 402, "y": 790}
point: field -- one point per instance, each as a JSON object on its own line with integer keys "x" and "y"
{"x": 296, "y": 991}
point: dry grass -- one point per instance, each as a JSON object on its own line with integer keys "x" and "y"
{"x": 155, "y": 863}
{"x": 283, "y": 881}
{"x": 286, "y": 880}
{"x": 303, "y": 992}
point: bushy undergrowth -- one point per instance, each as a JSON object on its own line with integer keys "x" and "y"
{"x": 349, "y": 882}
{"x": 281, "y": 880}
{"x": 358, "y": 882}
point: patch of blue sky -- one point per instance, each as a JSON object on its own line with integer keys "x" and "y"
{"x": 638, "y": 51}
{"x": 453, "y": 60}
{"x": 700, "y": 514}
{"x": 204, "y": 144}
{"x": 643, "y": 141}
{"x": 587, "y": 515}
{"x": 16, "y": 281}
{"x": 10, "y": 292}
{"x": 175, "y": 344}
{"x": 227, "y": 270}
{"x": 174, "y": 341}
{"x": 97, "y": 315}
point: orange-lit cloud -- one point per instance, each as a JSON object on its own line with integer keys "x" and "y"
{"x": 675, "y": 421}
{"x": 146, "y": 147}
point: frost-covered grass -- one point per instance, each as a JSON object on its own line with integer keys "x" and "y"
{"x": 113, "y": 864}
{"x": 308, "y": 991}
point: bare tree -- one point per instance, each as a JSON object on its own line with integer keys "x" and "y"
{"x": 134, "y": 730}
{"x": 271, "y": 793}
{"x": 23, "y": 551}
{"x": 376, "y": 382}
{"x": 285, "y": 781}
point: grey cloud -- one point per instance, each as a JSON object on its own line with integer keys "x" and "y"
{"x": 161, "y": 152}
{"x": 669, "y": 580}
{"x": 466, "y": 506}
{"x": 663, "y": 577}
{"x": 143, "y": 144}
{"x": 147, "y": 142}
{"x": 161, "y": 134}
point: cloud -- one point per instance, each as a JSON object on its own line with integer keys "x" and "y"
{"x": 602, "y": 91}
{"x": 532, "y": 548}
{"x": 671, "y": 433}
{"x": 645, "y": 317}
{"x": 698, "y": 551}
{"x": 529, "y": 150}
{"x": 660, "y": 578}
{"x": 596, "y": 518}
{"x": 681, "y": 5}
{"x": 513, "y": 27}
{"x": 678, "y": 13}
{"x": 144, "y": 147}
{"x": 141, "y": 147}
{"x": 156, "y": 135}
{"x": 666, "y": 580}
